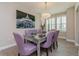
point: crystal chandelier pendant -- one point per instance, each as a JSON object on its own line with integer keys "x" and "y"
{"x": 46, "y": 14}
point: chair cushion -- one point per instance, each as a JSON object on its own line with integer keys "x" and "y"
{"x": 45, "y": 45}
{"x": 29, "y": 48}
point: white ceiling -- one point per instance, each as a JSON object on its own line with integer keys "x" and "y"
{"x": 53, "y": 7}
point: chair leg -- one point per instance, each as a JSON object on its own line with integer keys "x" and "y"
{"x": 57, "y": 44}
{"x": 53, "y": 45}
{"x": 47, "y": 51}
{"x": 24, "y": 40}
{"x": 51, "y": 48}
{"x": 18, "y": 54}
{"x": 36, "y": 53}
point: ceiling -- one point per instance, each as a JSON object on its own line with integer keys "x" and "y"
{"x": 52, "y": 7}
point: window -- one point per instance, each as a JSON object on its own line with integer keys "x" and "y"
{"x": 50, "y": 24}
{"x": 53, "y": 23}
{"x": 47, "y": 26}
{"x": 58, "y": 23}
{"x": 63, "y": 23}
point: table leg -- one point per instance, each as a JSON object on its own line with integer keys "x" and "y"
{"x": 38, "y": 49}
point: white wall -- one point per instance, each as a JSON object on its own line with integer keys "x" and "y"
{"x": 70, "y": 24}
{"x": 8, "y": 22}
{"x": 77, "y": 23}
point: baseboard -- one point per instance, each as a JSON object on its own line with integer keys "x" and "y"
{"x": 62, "y": 37}
{"x": 6, "y": 47}
{"x": 69, "y": 40}
{"x": 76, "y": 44}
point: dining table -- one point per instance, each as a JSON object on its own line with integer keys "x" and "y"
{"x": 37, "y": 39}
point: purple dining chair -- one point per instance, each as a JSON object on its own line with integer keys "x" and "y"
{"x": 24, "y": 49}
{"x": 48, "y": 42}
{"x": 54, "y": 40}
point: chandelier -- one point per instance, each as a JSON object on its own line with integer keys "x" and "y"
{"x": 45, "y": 15}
